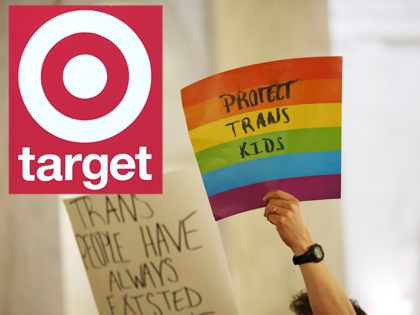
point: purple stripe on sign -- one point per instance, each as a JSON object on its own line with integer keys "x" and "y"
{"x": 249, "y": 197}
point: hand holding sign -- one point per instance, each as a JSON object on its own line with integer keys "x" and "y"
{"x": 283, "y": 210}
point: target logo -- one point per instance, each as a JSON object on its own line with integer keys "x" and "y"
{"x": 85, "y": 99}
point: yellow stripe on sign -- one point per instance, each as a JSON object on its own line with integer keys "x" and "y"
{"x": 263, "y": 121}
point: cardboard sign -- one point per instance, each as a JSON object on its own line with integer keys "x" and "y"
{"x": 275, "y": 125}
{"x": 154, "y": 254}
{"x": 85, "y": 93}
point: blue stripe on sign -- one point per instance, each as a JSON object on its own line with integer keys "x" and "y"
{"x": 271, "y": 168}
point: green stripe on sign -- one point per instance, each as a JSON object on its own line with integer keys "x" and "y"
{"x": 269, "y": 144}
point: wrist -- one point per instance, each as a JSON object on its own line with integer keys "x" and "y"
{"x": 302, "y": 247}
{"x": 315, "y": 254}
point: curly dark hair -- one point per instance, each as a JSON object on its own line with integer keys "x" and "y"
{"x": 301, "y": 306}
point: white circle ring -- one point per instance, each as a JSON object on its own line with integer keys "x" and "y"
{"x": 84, "y": 21}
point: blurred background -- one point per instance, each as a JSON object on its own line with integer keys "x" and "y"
{"x": 371, "y": 236}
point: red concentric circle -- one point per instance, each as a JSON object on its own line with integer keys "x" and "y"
{"x": 89, "y": 44}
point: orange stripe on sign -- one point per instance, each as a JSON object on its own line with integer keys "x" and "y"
{"x": 261, "y": 74}
{"x": 301, "y": 92}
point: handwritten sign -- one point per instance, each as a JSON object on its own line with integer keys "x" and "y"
{"x": 154, "y": 254}
{"x": 275, "y": 125}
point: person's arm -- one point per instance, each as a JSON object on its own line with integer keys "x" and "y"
{"x": 325, "y": 294}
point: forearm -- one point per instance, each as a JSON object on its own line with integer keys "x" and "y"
{"x": 325, "y": 294}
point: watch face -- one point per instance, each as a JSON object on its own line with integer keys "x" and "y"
{"x": 318, "y": 253}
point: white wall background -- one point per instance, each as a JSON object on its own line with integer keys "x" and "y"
{"x": 380, "y": 42}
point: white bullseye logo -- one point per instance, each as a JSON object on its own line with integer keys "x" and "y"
{"x": 84, "y": 76}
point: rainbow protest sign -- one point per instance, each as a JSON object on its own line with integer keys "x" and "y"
{"x": 275, "y": 125}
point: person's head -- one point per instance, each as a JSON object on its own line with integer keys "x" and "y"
{"x": 300, "y": 305}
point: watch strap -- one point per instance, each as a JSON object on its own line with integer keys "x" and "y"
{"x": 309, "y": 256}
{"x": 302, "y": 259}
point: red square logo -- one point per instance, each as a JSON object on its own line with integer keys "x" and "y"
{"x": 85, "y": 99}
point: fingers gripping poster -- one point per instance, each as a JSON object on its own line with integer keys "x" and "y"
{"x": 154, "y": 254}
{"x": 275, "y": 125}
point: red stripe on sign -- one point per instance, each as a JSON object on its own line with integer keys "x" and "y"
{"x": 317, "y": 68}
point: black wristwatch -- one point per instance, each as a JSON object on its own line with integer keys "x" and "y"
{"x": 314, "y": 254}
